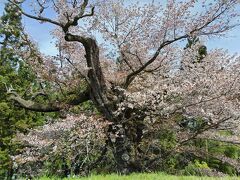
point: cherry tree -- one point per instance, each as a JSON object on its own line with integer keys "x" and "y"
{"x": 127, "y": 58}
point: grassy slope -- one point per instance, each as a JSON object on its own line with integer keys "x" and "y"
{"x": 145, "y": 176}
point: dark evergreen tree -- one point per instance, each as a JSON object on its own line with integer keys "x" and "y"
{"x": 202, "y": 50}
{"x": 15, "y": 72}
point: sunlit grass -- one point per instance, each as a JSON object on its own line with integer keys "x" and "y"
{"x": 142, "y": 176}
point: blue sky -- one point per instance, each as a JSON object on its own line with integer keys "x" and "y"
{"x": 40, "y": 33}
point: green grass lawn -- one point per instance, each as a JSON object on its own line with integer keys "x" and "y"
{"x": 143, "y": 176}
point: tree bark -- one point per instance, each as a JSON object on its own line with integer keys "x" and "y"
{"x": 125, "y": 139}
{"x": 98, "y": 88}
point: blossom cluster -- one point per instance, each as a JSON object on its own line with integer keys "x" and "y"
{"x": 74, "y": 136}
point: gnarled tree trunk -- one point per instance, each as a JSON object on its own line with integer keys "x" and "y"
{"x": 125, "y": 132}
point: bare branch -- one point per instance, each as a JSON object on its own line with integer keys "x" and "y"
{"x": 123, "y": 57}
{"x": 74, "y": 22}
{"x": 34, "y": 106}
{"x": 202, "y": 153}
{"x": 79, "y": 98}
{"x": 200, "y": 131}
{"x": 66, "y": 26}
{"x": 132, "y": 75}
{"x": 39, "y": 18}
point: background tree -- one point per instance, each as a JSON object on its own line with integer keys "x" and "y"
{"x": 202, "y": 51}
{"x": 13, "y": 71}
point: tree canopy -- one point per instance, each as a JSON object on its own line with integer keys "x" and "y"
{"x": 156, "y": 97}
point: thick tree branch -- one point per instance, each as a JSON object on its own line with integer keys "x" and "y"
{"x": 34, "y": 106}
{"x": 79, "y": 98}
{"x": 132, "y": 75}
{"x": 36, "y": 94}
{"x": 95, "y": 75}
{"x": 50, "y": 106}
